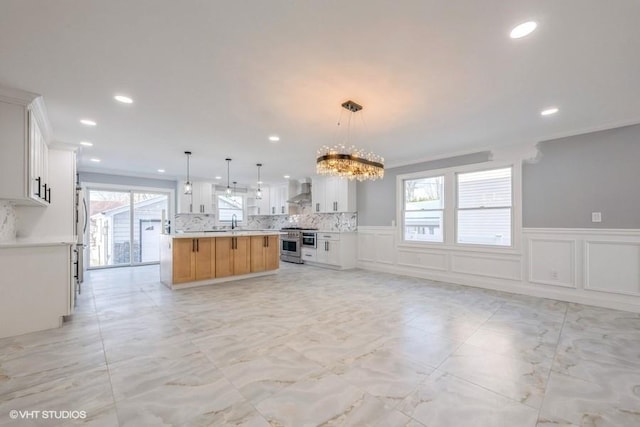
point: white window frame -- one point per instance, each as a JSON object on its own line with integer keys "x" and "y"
{"x": 450, "y": 208}
{"x": 458, "y": 209}
{"x": 401, "y": 216}
{"x": 219, "y": 221}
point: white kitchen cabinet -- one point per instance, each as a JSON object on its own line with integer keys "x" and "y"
{"x": 37, "y": 287}
{"x": 333, "y": 194}
{"x": 58, "y": 219}
{"x": 24, "y": 136}
{"x": 335, "y": 250}
{"x": 278, "y": 196}
{"x": 309, "y": 254}
{"x": 200, "y": 201}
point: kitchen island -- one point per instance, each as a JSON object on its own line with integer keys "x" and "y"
{"x": 198, "y": 259}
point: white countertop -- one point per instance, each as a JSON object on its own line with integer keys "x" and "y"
{"x": 225, "y": 233}
{"x": 39, "y": 241}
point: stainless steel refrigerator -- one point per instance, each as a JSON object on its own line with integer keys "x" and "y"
{"x": 82, "y": 219}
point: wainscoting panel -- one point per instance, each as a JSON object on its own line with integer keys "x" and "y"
{"x": 367, "y": 243}
{"x": 587, "y": 266}
{"x": 423, "y": 259}
{"x": 612, "y": 266}
{"x": 487, "y": 265}
{"x": 377, "y": 245}
{"x": 552, "y": 262}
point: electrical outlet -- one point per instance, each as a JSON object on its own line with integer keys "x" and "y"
{"x": 596, "y": 216}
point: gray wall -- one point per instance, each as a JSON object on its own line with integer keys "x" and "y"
{"x": 595, "y": 172}
{"x": 377, "y": 199}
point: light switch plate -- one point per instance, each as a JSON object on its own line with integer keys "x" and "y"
{"x": 596, "y": 216}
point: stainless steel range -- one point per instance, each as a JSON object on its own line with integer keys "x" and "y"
{"x": 291, "y": 244}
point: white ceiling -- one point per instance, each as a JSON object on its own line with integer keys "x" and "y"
{"x": 219, "y": 77}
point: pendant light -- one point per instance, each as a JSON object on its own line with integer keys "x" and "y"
{"x": 259, "y": 191}
{"x": 188, "y": 187}
{"x": 234, "y": 188}
{"x": 228, "y": 190}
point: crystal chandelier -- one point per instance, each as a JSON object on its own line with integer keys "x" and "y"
{"x": 349, "y": 162}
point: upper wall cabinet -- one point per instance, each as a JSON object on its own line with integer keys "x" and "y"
{"x": 333, "y": 194}
{"x": 24, "y": 137}
{"x": 200, "y": 201}
{"x": 278, "y": 196}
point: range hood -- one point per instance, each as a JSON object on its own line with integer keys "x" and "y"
{"x": 304, "y": 197}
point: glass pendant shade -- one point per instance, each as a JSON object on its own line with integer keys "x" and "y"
{"x": 188, "y": 187}
{"x": 259, "y": 191}
{"x": 228, "y": 190}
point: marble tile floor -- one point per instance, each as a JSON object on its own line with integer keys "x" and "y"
{"x": 314, "y": 347}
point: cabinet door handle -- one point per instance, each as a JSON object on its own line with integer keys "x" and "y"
{"x": 282, "y": 209}
{"x": 273, "y": 210}
{"x": 44, "y": 193}
{"x": 39, "y": 181}
{"x": 193, "y": 245}
{"x": 335, "y": 206}
{"x": 317, "y": 207}
{"x": 190, "y": 207}
{"x": 49, "y": 194}
{"x": 197, "y": 245}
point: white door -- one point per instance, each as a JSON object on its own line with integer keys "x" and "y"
{"x": 150, "y": 240}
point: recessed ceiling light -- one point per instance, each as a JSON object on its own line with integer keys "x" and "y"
{"x": 123, "y": 99}
{"x": 218, "y": 177}
{"x": 287, "y": 177}
{"x": 95, "y": 160}
{"x": 549, "y": 111}
{"x": 88, "y": 122}
{"x": 274, "y": 138}
{"x": 86, "y": 143}
{"x": 523, "y": 29}
{"x": 161, "y": 170}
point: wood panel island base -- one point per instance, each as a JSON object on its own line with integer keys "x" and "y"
{"x": 198, "y": 259}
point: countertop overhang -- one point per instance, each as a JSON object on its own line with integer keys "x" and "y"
{"x": 224, "y": 233}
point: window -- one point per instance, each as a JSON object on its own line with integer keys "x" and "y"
{"x": 230, "y": 205}
{"x": 423, "y": 211}
{"x": 484, "y": 207}
{"x": 461, "y": 207}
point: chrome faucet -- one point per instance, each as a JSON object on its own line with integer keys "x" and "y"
{"x": 234, "y": 221}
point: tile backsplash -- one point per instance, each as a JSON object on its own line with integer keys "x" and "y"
{"x": 345, "y": 221}
{"x": 7, "y": 221}
{"x": 194, "y": 222}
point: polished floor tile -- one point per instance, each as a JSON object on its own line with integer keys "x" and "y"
{"x": 314, "y": 347}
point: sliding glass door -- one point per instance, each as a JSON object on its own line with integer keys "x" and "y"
{"x": 125, "y": 227}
